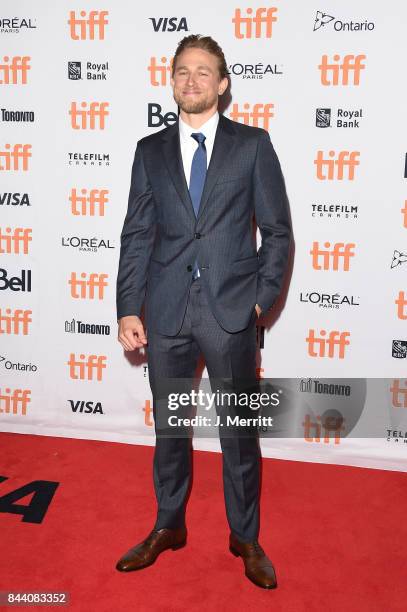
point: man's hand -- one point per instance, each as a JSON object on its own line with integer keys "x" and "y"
{"x": 258, "y": 310}
{"x": 131, "y": 333}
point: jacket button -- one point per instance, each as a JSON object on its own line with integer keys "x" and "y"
{"x": 198, "y": 235}
{"x": 189, "y": 268}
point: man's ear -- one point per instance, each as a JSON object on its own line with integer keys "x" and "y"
{"x": 223, "y": 85}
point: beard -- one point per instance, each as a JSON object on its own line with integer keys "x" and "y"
{"x": 195, "y": 107}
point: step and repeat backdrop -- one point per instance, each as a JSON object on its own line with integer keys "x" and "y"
{"x": 80, "y": 83}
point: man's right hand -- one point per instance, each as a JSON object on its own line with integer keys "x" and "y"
{"x": 131, "y": 333}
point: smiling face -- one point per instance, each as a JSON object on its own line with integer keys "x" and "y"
{"x": 196, "y": 82}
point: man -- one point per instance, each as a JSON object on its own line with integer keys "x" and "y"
{"x": 188, "y": 251}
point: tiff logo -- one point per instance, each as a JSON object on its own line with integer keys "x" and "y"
{"x": 14, "y": 70}
{"x": 262, "y": 21}
{"x": 90, "y": 202}
{"x": 398, "y": 394}
{"x": 338, "y": 73}
{"x": 15, "y": 158}
{"x": 15, "y": 241}
{"x": 91, "y": 118}
{"x": 82, "y": 28}
{"x": 88, "y": 285}
{"x": 259, "y": 116}
{"x": 159, "y": 72}
{"x": 15, "y": 323}
{"x": 329, "y": 425}
{"x": 401, "y": 303}
{"x": 331, "y": 257}
{"x": 84, "y": 368}
{"x": 14, "y": 402}
{"x": 326, "y": 167}
{"x": 333, "y": 346}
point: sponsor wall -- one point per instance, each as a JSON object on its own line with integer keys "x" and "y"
{"x": 79, "y": 85}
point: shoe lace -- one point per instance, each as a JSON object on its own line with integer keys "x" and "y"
{"x": 256, "y": 548}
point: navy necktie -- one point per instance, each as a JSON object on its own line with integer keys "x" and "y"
{"x": 197, "y": 180}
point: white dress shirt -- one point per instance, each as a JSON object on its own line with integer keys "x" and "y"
{"x": 189, "y": 144}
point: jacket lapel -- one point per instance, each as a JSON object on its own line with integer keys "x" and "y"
{"x": 222, "y": 148}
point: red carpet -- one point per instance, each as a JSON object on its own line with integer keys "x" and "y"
{"x": 336, "y": 535}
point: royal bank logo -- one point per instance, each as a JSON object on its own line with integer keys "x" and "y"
{"x": 398, "y": 259}
{"x": 92, "y": 71}
{"x": 74, "y": 71}
{"x": 399, "y": 349}
{"x": 254, "y": 71}
{"x": 322, "y": 20}
{"x": 344, "y": 118}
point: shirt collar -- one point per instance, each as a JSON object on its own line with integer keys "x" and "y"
{"x": 208, "y": 128}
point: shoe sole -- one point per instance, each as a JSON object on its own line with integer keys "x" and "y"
{"x": 263, "y": 586}
{"x": 134, "y": 569}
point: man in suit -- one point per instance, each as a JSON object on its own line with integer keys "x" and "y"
{"x": 188, "y": 254}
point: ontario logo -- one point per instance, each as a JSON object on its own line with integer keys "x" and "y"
{"x": 323, "y": 19}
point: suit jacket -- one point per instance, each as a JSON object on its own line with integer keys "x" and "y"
{"x": 162, "y": 237}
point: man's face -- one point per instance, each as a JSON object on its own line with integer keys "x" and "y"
{"x": 196, "y": 83}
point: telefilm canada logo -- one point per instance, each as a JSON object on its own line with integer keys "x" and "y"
{"x": 80, "y": 158}
{"x": 324, "y": 20}
{"x": 340, "y": 118}
{"x": 334, "y": 211}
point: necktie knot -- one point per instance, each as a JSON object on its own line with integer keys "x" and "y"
{"x": 199, "y": 137}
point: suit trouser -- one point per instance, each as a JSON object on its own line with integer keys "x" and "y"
{"x": 227, "y": 355}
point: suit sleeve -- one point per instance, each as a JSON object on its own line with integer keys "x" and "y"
{"x": 272, "y": 218}
{"x": 136, "y": 241}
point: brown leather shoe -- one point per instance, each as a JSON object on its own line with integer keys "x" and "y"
{"x": 147, "y": 551}
{"x": 259, "y": 568}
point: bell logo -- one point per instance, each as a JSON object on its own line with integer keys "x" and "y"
{"x": 88, "y": 29}
{"x": 14, "y": 402}
{"x": 90, "y": 203}
{"x": 330, "y": 424}
{"x": 398, "y": 394}
{"x": 333, "y": 169}
{"x": 330, "y": 257}
{"x": 84, "y": 368}
{"x": 404, "y": 211}
{"x": 148, "y": 411}
{"x": 85, "y": 288}
{"x": 15, "y": 323}
{"x": 352, "y": 64}
{"x": 262, "y": 21}
{"x": 15, "y": 158}
{"x": 14, "y": 70}
{"x": 333, "y": 346}
{"x": 159, "y": 73}
{"x": 15, "y": 241}
{"x": 91, "y": 118}
{"x": 258, "y": 117}
{"x": 401, "y": 303}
